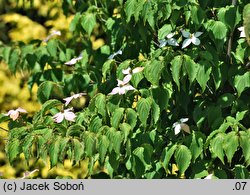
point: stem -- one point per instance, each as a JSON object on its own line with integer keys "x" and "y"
{"x": 1, "y": 128}
{"x": 229, "y": 46}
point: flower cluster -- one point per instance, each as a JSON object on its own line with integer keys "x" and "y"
{"x": 123, "y": 86}
{"x": 181, "y": 125}
{"x": 67, "y": 114}
{"x": 14, "y": 114}
{"x": 189, "y": 38}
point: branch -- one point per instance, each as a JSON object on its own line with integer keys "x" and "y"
{"x": 229, "y": 46}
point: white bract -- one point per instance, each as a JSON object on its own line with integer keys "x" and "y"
{"x": 66, "y": 114}
{"x": 210, "y": 176}
{"x": 128, "y": 72}
{"x": 170, "y": 40}
{"x": 115, "y": 54}
{"x": 190, "y": 38}
{"x": 75, "y": 96}
{"x": 181, "y": 125}
{"x": 121, "y": 88}
{"x": 53, "y": 33}
{"x": 74, "y": 60}
{"x": 14, "y": 114}
{"x": 242, "y": 31}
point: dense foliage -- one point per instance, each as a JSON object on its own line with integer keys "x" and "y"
{"x": 165, "y": 96}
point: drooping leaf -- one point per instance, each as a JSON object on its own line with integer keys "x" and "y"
{"x": 241, "y": 82}
{"x": 153, "y": 71}
{"x": 176, "y": 65}
{"x": 117, "y": 117}
{"x": 244, "y": 140}
{"x": 230, "y": 145}
{"x": 183, "y": 158}
{"x": 191, "y": 68}
{"x": 54, "y": 151}
{"x": 216, "y": 146}
{"x": 12, "y": 149}
{"x": 88, "y": 22}
{"x": 78, "y": 149}
{"x": 143, "y": 109}
{"x": 131, "y": 117}
{"x": 103, "y": 144}
{"x": 167, "y": 154}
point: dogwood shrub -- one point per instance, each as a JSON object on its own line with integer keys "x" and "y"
{"x": 165, "y": 96}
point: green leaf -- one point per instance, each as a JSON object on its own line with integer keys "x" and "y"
{"x": 95, "y": 124}
{"x": 143, "y": 109}
{"x": 100, "y": 104}
{"x": 230, "y": 145}
{"x": 245, "y": 144}
{"x": 225, "y": 100}
{"x": 88, "y": 22}
{"x": 117, "y": 141}
{"x": 167, "y": 154}
{"x": 153, "y": 71}
{"x": 90, "y": 143}
{"x": 241, "y": 82}
{"x": 216, "y": 146}
{"x": 203, "y": 74}
{"x": 183, "y": 158}
{"x": 62, "y": 148}
{"x": 198, "y": 15}
{"x": 164, "y": 31}
{"x": 241, "y": 172}
{"x": 125, "y": 130}
{"x": 13, "y": 60}
{"x": 75, "y": 130}
{"x": 144, "y": 153}
{"x": 74, "y": 22}
{"x": 218, "y": 29}
{"x": 191, "y": 67}
{"x": 49, "y": 89}
{"x": 117, "y": 117}
{"x": 133, "y": 7}
{"x": 12, "y": 149}
{"x": 229, "y": 15}
{"x": 155, "y": 111}
{"x": 78, "y": 149}
{"x": 131, "y": 117}
{"x": 107, "y": 67}
{"x": 196, "y": 146}
{"x": 240, "y": 115}
{"x": 103, "y": 145}
{"x": 49, "y": 104}
{"x": 27, "y": 146}
{"x": 161, "y": 96}
{"x": 54, "y": 151}
{"x": 52, "y": 47}
{"x": 176, "y": 64}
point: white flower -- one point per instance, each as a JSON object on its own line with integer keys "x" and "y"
{"x": 69, "y": 99}
{"x": 170, "y": 40}
{"x": 190, "y": 38}
{"x": 121, "y": 88}
{"x": 210, "y": 176}
{"x": 115, "y": 54}
{"x": 74, "y": 60}
{"x": 128, "y": 72}
{"x": 14, "y": 114}
{"x": 67, "y": 114}
{"x": 242, "y": 31}
{"x": 181, "y": 125}
{"x": 53, "y": 33}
